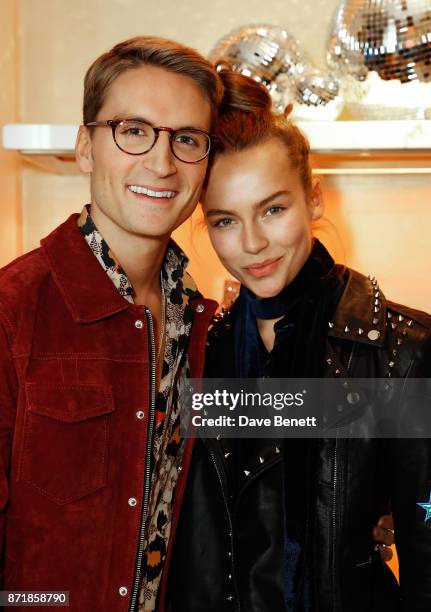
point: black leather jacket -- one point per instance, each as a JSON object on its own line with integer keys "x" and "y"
{"x": 230, "y": 544}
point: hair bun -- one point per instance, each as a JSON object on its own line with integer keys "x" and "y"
{"x": 243, "y": 94}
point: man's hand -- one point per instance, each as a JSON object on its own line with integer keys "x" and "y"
{"x": 383, "y": 534}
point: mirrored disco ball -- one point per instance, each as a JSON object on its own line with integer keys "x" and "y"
{"x": 266, "y": 53}
{"x": 390, "y": 37}
{"x": 317, "y": 96}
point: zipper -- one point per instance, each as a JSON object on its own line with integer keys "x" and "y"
{"x": 229, "y": 518}
{"x": 147, "y": 483}
{"x": 334, "y": 501}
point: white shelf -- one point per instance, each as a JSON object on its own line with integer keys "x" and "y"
{"x": 52, "y": 146}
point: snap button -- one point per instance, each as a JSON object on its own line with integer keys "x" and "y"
{"x": 374, "y": 334}
{"x": 140, "y": 414}
{"x": 200, "y": 308}
{"x": 123, "y": 591}
{"x": 132, "y": 501}
{"x": 139, "y": 324}
{"x": 353, "y": 398}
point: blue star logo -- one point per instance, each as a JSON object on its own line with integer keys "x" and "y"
{"x": 427, "y": 508}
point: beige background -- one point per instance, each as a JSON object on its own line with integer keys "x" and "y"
{"x": 382, "y": 223}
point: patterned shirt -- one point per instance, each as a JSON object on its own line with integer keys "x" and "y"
{"x": 168, "y": 447}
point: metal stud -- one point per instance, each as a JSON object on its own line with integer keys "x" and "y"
{"x": 375, "y": 320}
{"x": 377, "y": 294}
{"x": 410, "y": 323}
{"x": 394, "y": 352}
{"x": 373, "y": 334}
{"x": 376, "y": 302}
{"x": 389, "y": 315}
{"x": 404, "y": 332}
{"x": 400, "y": 318}
{"x": 329, "y": 361}
{"x": 394, "y": 325}
{"x": 399, "y": 342}
{"x": 347, "y": 329}
{"x": 277, "y": 450}
{"x": 261, "y": 460}
{"x": 331, "y": 325}
{"x": 247, "y": 472}
{"x": 360, "y": 331}
{"x": 391, "y": 364}
{"x": 226, "y": 455}
{"x": 376, "y": 309}
{"x": 337, "y": 372}
{"x": 218, "y": 437}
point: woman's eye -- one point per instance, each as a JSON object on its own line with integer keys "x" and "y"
{"x": 223, "y": 222}
{"x": 273, "y": 210}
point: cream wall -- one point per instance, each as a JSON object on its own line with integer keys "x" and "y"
{"x": 10, "y": 231}
{"x": 382, "y": 222}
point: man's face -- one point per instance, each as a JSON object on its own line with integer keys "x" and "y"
{"x": 161, "y": 98}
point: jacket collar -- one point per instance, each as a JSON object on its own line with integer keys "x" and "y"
{"x": 361, "y": 312}
{"x": 87, "y": 290}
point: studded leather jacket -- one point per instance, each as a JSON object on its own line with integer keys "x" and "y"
{"x": 243, "y": 497}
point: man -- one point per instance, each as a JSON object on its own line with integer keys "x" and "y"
{"x": 100, "y": 329}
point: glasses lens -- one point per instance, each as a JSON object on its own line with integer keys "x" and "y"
{"x": 134, "y": 137}
{"x": 190, "y": 145}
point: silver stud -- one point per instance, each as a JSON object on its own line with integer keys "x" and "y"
{"x": 389, "y": 374}
{"x": 360, "y": 331}
{"x": 404, "y": 332}
{"x": 337, "y": 372}
{"x": 374, "y": 334}
{"x": 247, "y": 472}
{"x": 391, "y": 364}
{"x": 389, "y": 315}
{"x": 377, "y": 294}
{"x": 394, "y": 325}
{"x": 372, "y": 278}
{"x": 277, "y": 450}
{"x": 229, "y": 576}
{"x": 140, "y": 414}
{"x": 331, "y": 325}
{"x": 229, "y": 598}
{"x": 347, "y": 330}
{"x": 400, "y": 318}
{"x": 376, "y": 309}
{"x": 123, "y": 591}
{"x": 200, "y": 308}
{"x": 139, "y": 324}
{"x": 180, "y": 469}
{"x": 410, "y": 323}
{"x": 226, "y": 455}
{"x": 329, "y": 361}
{"x": 399, "y": 342}
{"x": 261, "y": 460}
{"x": 218, "y": 437}
{"x": 132, "y": 501}
{"x": 375, "y": 320}
{"x": 394, "y": 352}
{"x": 376, "y": 302}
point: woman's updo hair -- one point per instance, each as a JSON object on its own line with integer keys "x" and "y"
{"x": 246, "y": 119}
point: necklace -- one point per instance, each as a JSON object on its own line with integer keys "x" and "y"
{"x": 163, "y": 321}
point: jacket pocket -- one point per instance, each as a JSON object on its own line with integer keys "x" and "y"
{"x": 66, "y": 439}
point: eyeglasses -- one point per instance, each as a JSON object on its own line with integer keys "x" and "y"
{"x": 137, "y": 137}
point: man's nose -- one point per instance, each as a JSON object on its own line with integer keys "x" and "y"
{"x": 160, "y": 159}
{"x": 254, "y": 239}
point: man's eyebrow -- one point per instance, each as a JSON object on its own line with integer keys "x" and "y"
{"x": 223, "y": 211}
{"x": 144, "y": 120}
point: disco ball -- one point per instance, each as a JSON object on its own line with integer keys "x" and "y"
{"x": 390, "y": 37}
{"x": 273, "y": 57}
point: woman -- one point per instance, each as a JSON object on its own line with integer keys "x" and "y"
{"x": 267, "y": 525}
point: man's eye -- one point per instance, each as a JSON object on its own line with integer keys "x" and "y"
{"x": 187, "y": 140}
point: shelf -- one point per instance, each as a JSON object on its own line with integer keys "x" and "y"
{"x": 338, "y": 147}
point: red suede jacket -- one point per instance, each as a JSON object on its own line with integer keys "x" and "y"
{"x": 75, "y": 400}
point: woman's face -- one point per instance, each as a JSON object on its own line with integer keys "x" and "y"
{"x": 258, "y": 218}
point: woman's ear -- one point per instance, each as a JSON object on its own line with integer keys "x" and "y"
{"x": 83, "y": 150}
{"x": 317, "y": 204}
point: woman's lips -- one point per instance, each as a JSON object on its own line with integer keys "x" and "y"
{"x": 265, "y": 268}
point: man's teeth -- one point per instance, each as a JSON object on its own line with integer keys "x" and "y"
{"x": 151, "y": 193}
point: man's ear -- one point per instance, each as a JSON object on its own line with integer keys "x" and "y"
{"x": 83, "y": 150}
{"x": 317, "y": 204}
